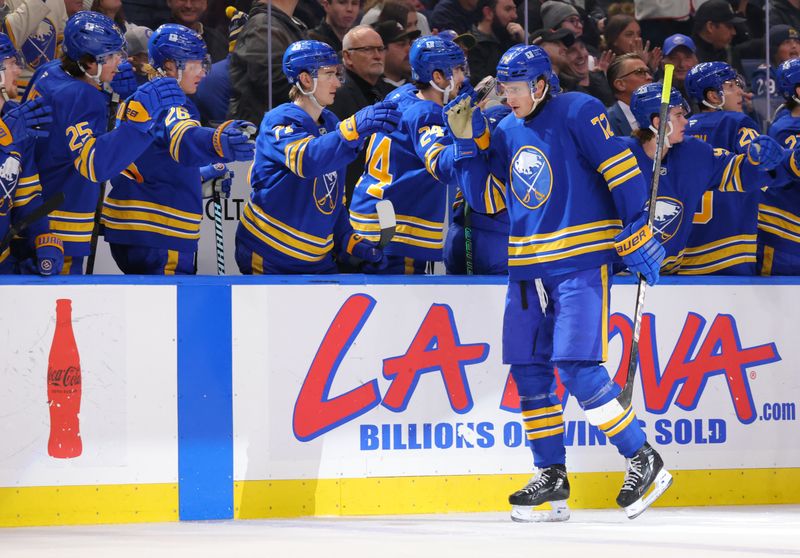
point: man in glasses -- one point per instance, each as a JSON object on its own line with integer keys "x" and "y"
{"x": 363, "y": 55}
{"x": 626, "y": 74}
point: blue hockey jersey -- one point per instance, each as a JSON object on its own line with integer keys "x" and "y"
{"x": 404, "y": 167}
{"x": 78, "y": 153}
{"x": 295, "y": 216}
{"x": 723, "y": 238}
{"x": 157, "y": 201}
{"x": 570, "y": 185}
{"x": 779, "y": 210}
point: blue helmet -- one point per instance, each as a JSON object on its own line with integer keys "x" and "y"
{"x": 432, "y": 53}
{"x": 525, "y": 63}
{"x": 175, "y": 42}
{"x": 307, "y": 56}
{"x": 789, "y": 78}
{"x": 93, "y": 34}
{"x": 705, "y": 76}
{"x": 7, "y": 50}
{"x": 555, "y": 84}
{"x": 646, "y": 103}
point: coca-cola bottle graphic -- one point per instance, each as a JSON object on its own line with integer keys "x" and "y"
{"x": 64, "y": 387}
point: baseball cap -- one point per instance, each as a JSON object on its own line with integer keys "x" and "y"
{"x": 558, "y": 36}
{"x": 780, "y": 33}
{"x": 465, "y": 40}
{"x": 716, "y": 11}
{"x": 392, "y": 31}
{"x": 677, "y": 40}
{"x": 137, "y": 36}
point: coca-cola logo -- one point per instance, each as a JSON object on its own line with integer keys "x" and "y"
{"x": 68, "y": 377}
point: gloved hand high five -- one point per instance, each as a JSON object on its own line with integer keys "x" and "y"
{"x": 27, "y": 120}
{"x": 639, "y": 250}
{"x": 49, "y": 254}
{"x": 380, "y": 117}
{"x": 765, "y": 151}
{"x": 466, "y": 125}
{"x": 235, "y": 140}
{"x": 124, "y": 82}
{"x": 216, "y": 179}
{"x": 151, "y": 101}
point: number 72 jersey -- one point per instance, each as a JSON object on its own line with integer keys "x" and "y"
{"x": 404, "y": 167}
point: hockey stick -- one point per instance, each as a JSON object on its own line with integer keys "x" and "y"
{"x": 218, "y": 234}
{"x": 387, "y": 221}
{"x": 468, "y": 238}
{"x": 98, "y": 212}
{"x": 46, "y": 208}
{"x": 626, "y": 395}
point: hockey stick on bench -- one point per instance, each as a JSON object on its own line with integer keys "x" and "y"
{"x": 626, "y": 395}
{"x": 46, "y": 208}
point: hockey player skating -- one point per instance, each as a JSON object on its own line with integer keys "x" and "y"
{"x": 779, "y": 210}
{"x": 78, "y": 154}
{"x": 296, "y": 220}
{"x": 723, "y": 238}
{"x": 19, "y": 180}
{"x": 587, "y": 206}
{"x": 691, "y": 167}
{"x": 403, "y": 165}
{"x": 153, "y": 213}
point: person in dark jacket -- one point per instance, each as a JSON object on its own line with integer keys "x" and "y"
{"x": 458, "y": 15}
{"x": 786, "y": 12}
{"x": 714, "y": 29}
{"x": 496, "y": 32}
{"x": 189, "y": 13}
{"x": 340, "y": 15}
{"x": 251, "y": 71}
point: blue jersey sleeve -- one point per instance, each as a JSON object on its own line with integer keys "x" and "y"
{"x": 189, "y": 143}
{"x": 302, "y": 153}
{"x": 483, "y": 178}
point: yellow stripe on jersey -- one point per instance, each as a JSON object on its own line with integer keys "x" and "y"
{"x": 718, "y": 255}
{"x": 766, "y": 264}
{"x": 121, "y": 216}
{"x": 565, "y": 240}
{"x": 284, "y": 238}
{"x": 732, "y": 176}
{"x": 544, "y": 411}
{"x": 294, "y": 155}
{"x": 176, "y": 134}
{"x": 84, "y": 162}
{"x": 494, "y": 195}
{"x": 133, "y": 173}
{"x": 794, "y": 167}
{"x": 409, "y": 230}
{"x": 671, "y": 264}
{"x": 172, "y": 262}
{"x": 779, "y": 222}
{"x": 72, "y": 227}
{"x": 28, "y": 180}
{"x": 23, "y": 196}
{"x": 432, "y": 158}
{"x": 619, "y": 169}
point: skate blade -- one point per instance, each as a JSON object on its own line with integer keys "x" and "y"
{"x": 659, "y": 486}
{"x": 527, "y": 514}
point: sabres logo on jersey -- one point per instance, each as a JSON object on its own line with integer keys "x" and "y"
{"x": 41, "y": 46}
{"x": 668, "y": 219}
{"x": 531, "y": 177}
{"x": 326, "y": 192}
{"x": 9, "y": 174}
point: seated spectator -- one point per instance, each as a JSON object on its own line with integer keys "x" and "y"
{"x": 373, "y": 9}
{"x": 623, "y": 36}
{"x": 557, "y": 14}
{"x": 458, "y": 15}
{"x": 679, "y": 50}
{"x": 340, "y": 15}
{"x": 494, "y": 34}
{"x": 784, "y": 44}
{"x": 625, "y": 75}
{"x": 189, "y": 13}
{"x": 714, "y": 30}
{"x": 137, "y": 37}
{"x": 111, "y": 9}
{"x": 363, "y": 55}
{"x": 577, "y": 76}
{"x": 397, "y": 68}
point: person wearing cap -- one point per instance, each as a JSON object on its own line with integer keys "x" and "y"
{"x": 136, "y": 37}
{"x": 559, "y": 14}
{"x": 714, "y": 29}
{"x": 340, "y": 15}
{"x": 555, "y": 44}
{"x": 458, "y": 15}
{"x": 374, "y": 10}
{"x": 364, "y": 58}
{"x": 679, "y": 50}
{"x": 784, "y": 44}
{"x": 397, "y": 68}
{"x": 495, "y": 33}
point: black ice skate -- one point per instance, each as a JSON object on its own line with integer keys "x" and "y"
{"x": 547, "y": 485}
{"x": 645, "y": 480}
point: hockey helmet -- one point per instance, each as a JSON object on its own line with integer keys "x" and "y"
{"x": 431, "y": 53}
{"x": 7, "y": 50}
{"x": 525, "y": 63}
{"x": 646, "y": 103}
{"x": 93, "y": 34}
{"x": 180, "y": 44}
{"x": 708, "y": 76}
{"x": 789, "y": 78}
{"x": 307, "y": 56}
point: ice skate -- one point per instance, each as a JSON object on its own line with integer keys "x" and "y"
{"x": 645, "y": 480}
{"x": 547, "y": 485}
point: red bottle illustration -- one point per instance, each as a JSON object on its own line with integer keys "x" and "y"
{"x": 64, "y": 387}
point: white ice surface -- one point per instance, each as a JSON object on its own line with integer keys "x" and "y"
{"x": 763, "y": 531}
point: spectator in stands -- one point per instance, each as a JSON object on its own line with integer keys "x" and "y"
{"x": 38, "y": 35}
{"x": 786, "y": 12}
{"x": 363, "y": 54}
{"x": 112, "y": 9}
{"x": 623, "y": 35}
{"x": 340, "y": 15}
{"x": 397, "y": 39}
{"x": 310, "y": 12}
{"x": 625, "y": 75}
{"x": 375, "y": 7}
{"x": 658, "y": 20}
{"x": 784, "y": 44}
{"x": 189, "y": 13}
{"x": 714, "y": 29}
{"x": 398, "y": 10}
{"x": 458, "y": 15}
{"x": 555, "y": 44}
{"x": 495, "y": 33}
{"x": 559, "y": 14}
{"x": 249, "y": 67}
{"x": 577, "y": 76}
{"x": 679, "y": 50}
{"x": 150, "y": 13}
{"x": 137, "y": 37}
